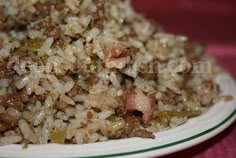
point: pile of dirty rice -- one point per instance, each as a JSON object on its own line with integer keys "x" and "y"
{"x": 82, "y": 71}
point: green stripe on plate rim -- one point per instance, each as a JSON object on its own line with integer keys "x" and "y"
{"x": 169, "y": 144}
{"x": 166, "y": 145}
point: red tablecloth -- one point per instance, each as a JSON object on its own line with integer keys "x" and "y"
{"x": 213, "y": 23}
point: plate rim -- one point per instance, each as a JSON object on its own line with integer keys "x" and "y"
{"x": 181, "y": 141}
{"x": 218, "y": 128}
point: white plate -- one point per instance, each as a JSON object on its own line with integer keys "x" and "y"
{"x": 195, "y": 131}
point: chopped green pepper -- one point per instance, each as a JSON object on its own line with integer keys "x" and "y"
{"x": 165, "y": 116}
{"x": 58, "y": 136}
{"x": 35, "y": 44}
{"x": 45, "y": 58}
{"x": 116, "y": 124}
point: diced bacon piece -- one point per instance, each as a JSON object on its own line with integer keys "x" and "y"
{"x": 114, "y": 58}
{"x": 115, "y": 51}
{"x": 118, "y": 63}
{"x": 138, "y": 101}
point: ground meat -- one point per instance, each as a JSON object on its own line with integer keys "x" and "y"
{"x": 208, "y": 84}
{"x": 143, "y": 133}
{"x": 97, "y": 21}
{"x": 3, "y": 127}
{"x": 49, "y": 29}
{"x": 25, "y": 98}
{"x": 25, "y": 18}
{"x": 11, "y": 22}
{"x": 60, "y": 105}
{"x": 2, "y": 99}
{"x": 149, "y": 76}
{"x": 2, "y": 15}
{"x": 93, "y": 80}
{"x": 19, "y": 21}
{"x": 120, "y": 110}
{"x": 43, "y": 9}
{"x": 60, "y": 5}
{"x": 42, "y": 97}
{"x": 75, "y": 68}
{"x": 12, "y": 100}
{"x": 59, "y": 43}
{"x": 131, "y": 51}
{"x": 53, "y": 31}
{"x": 5, "y": 73}
{"x": 7, "y": 24}
{"x": 43, "y": 24}
{"x": 168, "y": 98}
{"x": 89, "y": 115}
{"x": 150, "y": 70}
{"x": 131, "y": 123}
{"x": 22, "y": 52}
{"x": 8, "y": 120}
{"x": 74, "y": 91}
{"x": 100, "y": 3}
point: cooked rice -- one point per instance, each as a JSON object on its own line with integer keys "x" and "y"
{"x": 83, "y": 71}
